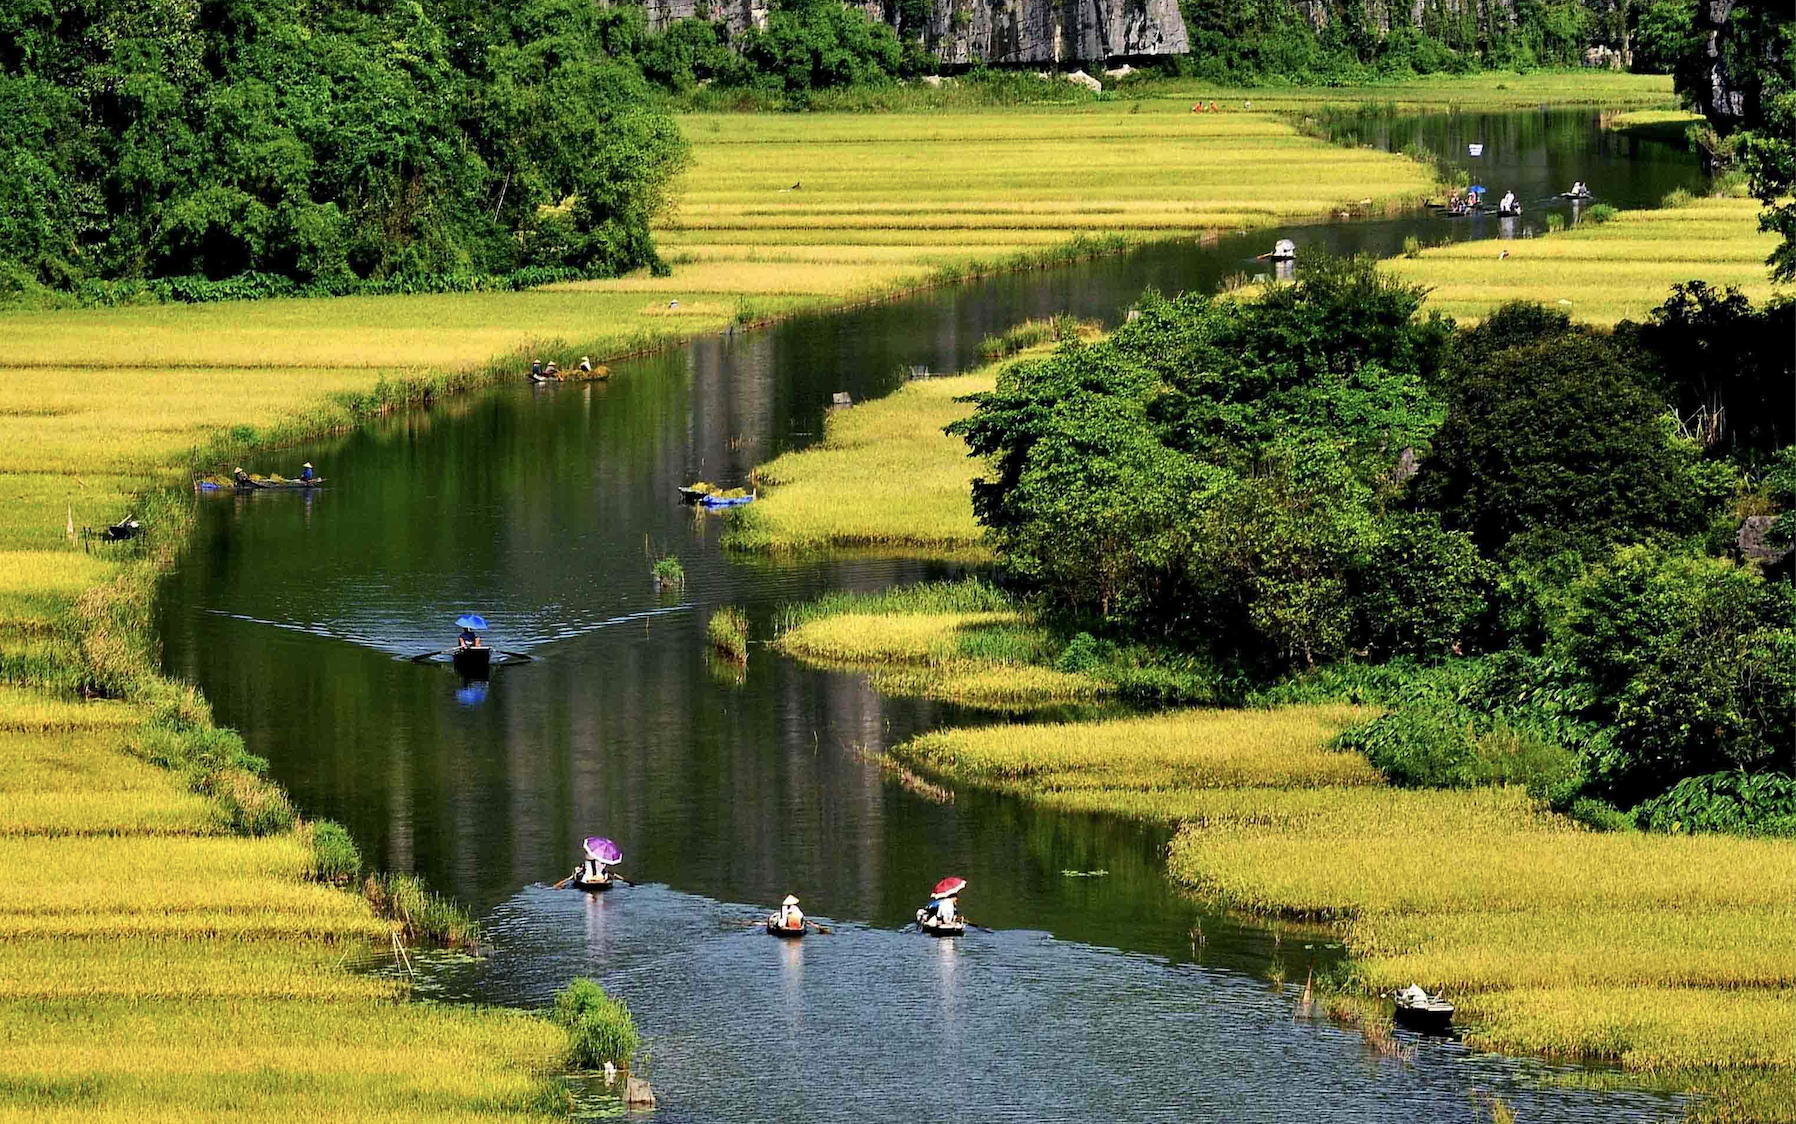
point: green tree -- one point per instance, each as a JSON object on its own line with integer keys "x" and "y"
{"x": 1559, "y": 443}
{"x": 1692, "y": 662}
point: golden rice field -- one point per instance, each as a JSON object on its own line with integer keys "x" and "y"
{"x": 884, "y": 476}
{"x": 847, "y": 203}
{"x": 1439, "y": 93}
{"x": 154, "y": 968}
{"x": 1667, "y": 955}
{"x": 1600, "y": 274}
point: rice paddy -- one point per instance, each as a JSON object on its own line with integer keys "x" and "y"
{"x": 1666, "y": 955}
{"x": 1602, "y": 273}
{"x": 884, "y": 476}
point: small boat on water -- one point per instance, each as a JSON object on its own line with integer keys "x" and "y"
{"x": 591, "y": 874}
{"x": 929, "y": 923}
{"x": 789, "y": 931}
{"x": 725, "y": 501}
{"x": 275, "y": 484}
{"x": 474, "y": 662}
{"x": 1415, "y": 1008}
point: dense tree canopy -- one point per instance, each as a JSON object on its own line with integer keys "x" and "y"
{"x": 326, "y": 142}
{"x": 1552, "y": 599}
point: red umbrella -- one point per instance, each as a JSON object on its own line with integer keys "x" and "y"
{"x": 949, "y": 886}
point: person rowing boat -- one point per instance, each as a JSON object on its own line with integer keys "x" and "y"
{"x": 789, "y": 920}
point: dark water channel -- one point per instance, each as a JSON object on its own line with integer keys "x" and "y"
{"x": 1108, "y": 996}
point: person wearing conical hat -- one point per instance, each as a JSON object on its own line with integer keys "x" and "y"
{"x": 790, "y": 915}
{"x": 240, "y": 476}
{"x": 586, "y": 364}
{"x": 305, "y": 472}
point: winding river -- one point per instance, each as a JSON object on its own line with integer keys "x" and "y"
{"x": 1101, "y": 993}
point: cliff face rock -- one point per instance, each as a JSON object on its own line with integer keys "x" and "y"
{"x": 995, "y": 31}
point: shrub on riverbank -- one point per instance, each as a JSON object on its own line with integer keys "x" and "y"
{"x": 599, "y": 1027}
{"x": 727, "y": 631}
{"x": 421, "y": 914}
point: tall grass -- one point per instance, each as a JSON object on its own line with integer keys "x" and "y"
{"x": 727, "y": 631}
{"x": 599, "y": 1027}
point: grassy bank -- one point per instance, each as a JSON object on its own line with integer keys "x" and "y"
{"x": 1601, "y": 273}
{"x": 1668, "y": 956}
{"x": 1490, "y": 92}
{"x": 884, "y": 476}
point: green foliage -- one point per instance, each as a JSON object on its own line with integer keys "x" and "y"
{"x": 1727, "y": 368}
{"x": 599, "y": 1027}
{"x": 810, "y": 45}
{"x": 1664, "y": 32}
{"x": 668, "y": 571}
{"x": 1734, "y": 803}
{"x": 1691, "y": 662}
{"x": 1430, "y": 747}
{"x": 727, "y": 631}
{"x": 1215, "y": 472}
{"x": 270, "y": 148}
{"x": 334, "y": 854}
{"x": 423, "y": 916}
{"x": 1553, "y": 441}
{"x": 1600, "y": 213}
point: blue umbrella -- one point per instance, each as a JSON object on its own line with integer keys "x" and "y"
{"x": 471, "y": 620}
{"x": 1476, "y": 189}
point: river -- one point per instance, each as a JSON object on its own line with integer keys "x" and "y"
{"x": 1102, "y": 992}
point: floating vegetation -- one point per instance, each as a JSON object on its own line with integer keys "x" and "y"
{"x": 667, "y": 571}
{"x": 1084, "y": 873}
{"x": 728, "y": 633}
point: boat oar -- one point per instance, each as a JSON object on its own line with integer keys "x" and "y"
{"x": 564, "y": 881}
{"x": 819, "y": 928}
{"x": 976, "y": 925}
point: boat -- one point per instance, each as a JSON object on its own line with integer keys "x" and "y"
{"x": 724, "y": 501}
{"x": 597, "y": 374}
{"x": 929, "y": 923}
{"x": 1510, "y": 212}
{"x": 591, "y": 873}
{"x": 775, "y": 928}
{"x": 473, "y": 662}
{"x": 251, "y": 484}
{"x": 1417, "y": 1009}
{"x": 603, "y": 881}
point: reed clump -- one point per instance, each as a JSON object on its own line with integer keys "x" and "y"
{"x": 422, "y": 915}
{"x": 599, "y": 1027}
{"x": 727, "y": 631}
{"x": 667, "y": 571}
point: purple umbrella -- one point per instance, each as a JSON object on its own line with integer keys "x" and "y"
{"x": 603, "y": 850}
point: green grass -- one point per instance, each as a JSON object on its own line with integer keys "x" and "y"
{"x": 1493, "y": 91}
{"x": 727, "y": 630}
{"x": 1602, "y": 273}
{"x": 1667, "y": 955}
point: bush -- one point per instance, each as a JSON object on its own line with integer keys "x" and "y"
{"x": 252, "y": 805}
{"x": 1600, "y": 213}
{"x": 1595, "y": 814}
{"x": 1416, "y": 747}
{"x": 334, "y": 854}
{"x": 1734, "y": 803}
{"x": 599, "y": 1027}
{"x": 728, "y": 633}
{"x": 1555, "y": 223}
{"x": 1691, "y": 661}
{"x": 668, "y": 571}
{"x": 421, "y": 914}
{"x": 1082, "y": 653}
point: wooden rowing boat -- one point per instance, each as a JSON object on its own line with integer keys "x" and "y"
{"x": 929, "y": 923}
{"x": 1417, "y": 1009}
{"x": 472, "y": 661}
{"x": 254, "y": 485}
{"x": 581, "y": 882}
{"x": 778, "y": 930}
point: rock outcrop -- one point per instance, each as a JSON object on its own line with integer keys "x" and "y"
{"x": 995, "y": 31}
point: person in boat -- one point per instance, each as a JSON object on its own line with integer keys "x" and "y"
{"x": 1579, "y": 191}
{"x": 468, "y": 639}
{"x": 1507, "y": 204}
{"x": 305, "y": 472}
{"x": 790, "y": 916}
{"x": 586, "y": 364}
{"x": 945, "y": 910}
{"x": 552, "y": 371}
{"x": 593, "y": 872}
{"x": 240, "y": 476}
{"x": 536, "y": 368}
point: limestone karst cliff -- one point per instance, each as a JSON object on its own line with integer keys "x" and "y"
{"x": 999, "y": 31}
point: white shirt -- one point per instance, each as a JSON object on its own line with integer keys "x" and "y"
{"x": 944, "y": 909}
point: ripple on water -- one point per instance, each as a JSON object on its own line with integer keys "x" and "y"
{"x": 874, "y": 1024}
